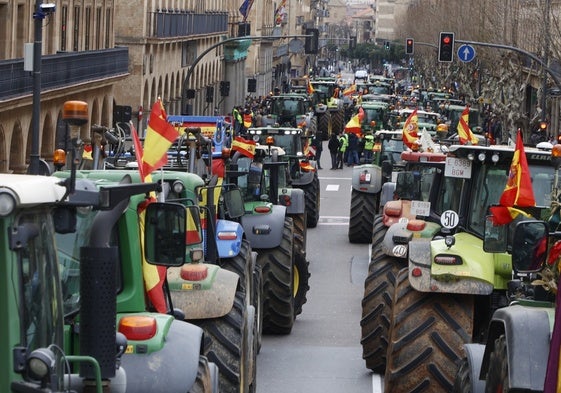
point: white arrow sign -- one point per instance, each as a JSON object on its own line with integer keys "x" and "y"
{"x": 466, "y": 53}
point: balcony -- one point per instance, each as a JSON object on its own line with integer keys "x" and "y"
{"x": 63, "y": 70}
{"x": 178, "y": 23}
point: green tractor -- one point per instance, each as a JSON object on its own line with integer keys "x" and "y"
{"x": 328, "y": 105}
{"x": 303, "y": 170}
{"x": 454, "y": 283}
{"x": 291, "y": 110}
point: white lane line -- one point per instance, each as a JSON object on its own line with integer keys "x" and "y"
{"x": 377, "y": 384}
{"x": 332, "y": 187}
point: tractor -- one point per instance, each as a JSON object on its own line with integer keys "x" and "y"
{"x": 328, "y": 105}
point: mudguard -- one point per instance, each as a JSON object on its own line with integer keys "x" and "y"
{"x": 367, "y": 178}
{"x": 474, "y": 353}
{"x": 265, "y": 230}
{"x": 527, "y": 332}
{"x": 297, "y": 200}
{"x": 212, "y": 297}
{"x": 227, "y": 246}
{"x": 475, "y": 275}
{"x": 174, "y": 365}
{"x": 305, "y": 177}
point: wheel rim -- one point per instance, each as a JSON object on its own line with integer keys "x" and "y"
{"x": 295, "y": 281}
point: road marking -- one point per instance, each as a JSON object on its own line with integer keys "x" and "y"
{"x": 333, "y": 220}
{"x": 332, "y": 187}
{"x": 377, "y": 384}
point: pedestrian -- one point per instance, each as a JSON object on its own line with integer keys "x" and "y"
{"x": 368, "y": 146}
{"x": 352, "y": 149}
{"x": 317, "y": 144}
{"x": 341, "y": 156}
{"x": 333, "y": 146}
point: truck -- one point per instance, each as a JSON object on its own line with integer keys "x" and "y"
{"x": 455, "y": 285}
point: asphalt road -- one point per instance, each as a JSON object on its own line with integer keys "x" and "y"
{"x": 323, "y": 352}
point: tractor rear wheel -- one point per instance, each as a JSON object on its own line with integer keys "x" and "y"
{"x": 278, "y": 287}
{"x": 363, "y": 210}
{"x": 312, "y": 201}
{"x": 427, "y": 335}
{"x": 378, "y": 233}
{"x": 301, "y": 283}
{"x": 324, "y": 125}
{"x": 497, "y": 376}
{"x": 377, "y": 311}
{"x": 337, "y": 121}
{"x": 228, "y": 344}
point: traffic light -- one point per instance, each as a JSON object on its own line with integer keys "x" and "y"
{"x": 352, "y": 42}
{"x": 409, "y": 46}
{"x": 209, "y": 94}
{"x": 386, "y": 45}
{"x": 311, "y": 45}
{"x": 446, "y": 47}
{"x": 224, "y": 88}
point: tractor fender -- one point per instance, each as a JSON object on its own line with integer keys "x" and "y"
{"x": 367, "y": 178}
{"x": 297, "y": 200}
{"x": 474, "y": 353}
{"x": 228, "y": 247}
{"x": 264, "y": 231}
{"x": 305, "y": 178}
{"x": 527, "y": 333}
{"x": 149, "y": 372}
{"x": 212, "y": 297}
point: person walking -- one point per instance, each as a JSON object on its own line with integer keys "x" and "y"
{"x": 317, "y": 144}
{"x": 333, "y": 146}
{"x": 352, "y": 149}
{"x": 368, "y": 147}
{"x": 342, "y": 154}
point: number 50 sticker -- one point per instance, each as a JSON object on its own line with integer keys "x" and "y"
{"x": 449, "y": 219}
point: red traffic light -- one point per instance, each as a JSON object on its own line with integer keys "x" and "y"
{"x": 409, "y": 45}
{"x": 409, "y": 42}
{"x": 446, "y": 39}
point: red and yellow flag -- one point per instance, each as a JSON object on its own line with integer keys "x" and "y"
{"x": 518, "y": 190}
{"x": 349, "y": 91}
{"x": 244, "y": 146}
{"x": 309, "y": 88}
{"x": 464, "y": 132}
{"x": 354, "y": 126}
{"x": 411, "y": 130}
{"x": 159, "y": 136}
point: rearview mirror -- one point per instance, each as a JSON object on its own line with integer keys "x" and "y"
{"x": 529, "y": 246}
{"x": 165, "y": 227}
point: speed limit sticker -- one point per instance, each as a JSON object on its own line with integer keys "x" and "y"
{"x": 449, "y": 219}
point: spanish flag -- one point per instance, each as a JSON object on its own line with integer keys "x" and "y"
{"x": 159, "y": 136}
{"x": 411, "y": 130}
{"x": 349, "y": 91}
{"x": 310, "y": 89}
{"x": 244, "y": 146}
{"x": 518, "y": 190}
{"x": 464, "y": 132}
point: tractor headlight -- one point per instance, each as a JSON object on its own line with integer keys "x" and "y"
{"x": 41, "y": 363}
{"x": 7, "y": 202}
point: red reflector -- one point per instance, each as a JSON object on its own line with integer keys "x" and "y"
{"x": 416, "y": 225}
{"x": 227, "y": 236}
{"x": 391, "y": 211}
{"x": 138, "y": 327}
{"x": 194, "y": 272}
{"x": 262, "y": 209}
{"x": 416, "y": 272}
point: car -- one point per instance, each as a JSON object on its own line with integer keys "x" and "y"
{"x": 361, "y": 74}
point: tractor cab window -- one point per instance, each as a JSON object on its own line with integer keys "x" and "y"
{"x": 40, "y": 306}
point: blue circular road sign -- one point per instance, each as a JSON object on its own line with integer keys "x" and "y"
{"x": 466, "y": 53}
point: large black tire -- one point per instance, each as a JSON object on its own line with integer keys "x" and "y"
{"x": 300, "y": 234}
{"x": 361, "y": 219}
{"x": 301, "y": 276}
{"x": 203, "y": 383}
{"x": 312, "y": 201}
{"x": 497, "y": 376}
{"x": 378, "y": 232}
{"x": 324, "y": 125}
{"x": 313, "y": 127}
{"x": 377, "y": 311}
{"x": 227, "y": 344}
{"x": 337, "y": 121}
{"x": 278, "y": 283}
{"x": 427, "y": 335}
{"x": 258, "y": 304}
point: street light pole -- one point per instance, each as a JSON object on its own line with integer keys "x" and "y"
{"x": 38, "y": 17}
{"x": 545, "y": 58}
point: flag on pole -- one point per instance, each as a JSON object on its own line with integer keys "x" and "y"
{"x": 244, "y": 146}
{"x": 464, "y": 132}
{"x": 159, "y": 137}
{"x": 153, "y": 276}
{"x": 353, "y": 126}
{"x": 245, "y": 8}
{"x": 518, "y": 190}
{"x": 349, "y": 91}
{"x": 411, "y": 130}
{"x": 310, "y": 89}
{"x": 280, "y": 13}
